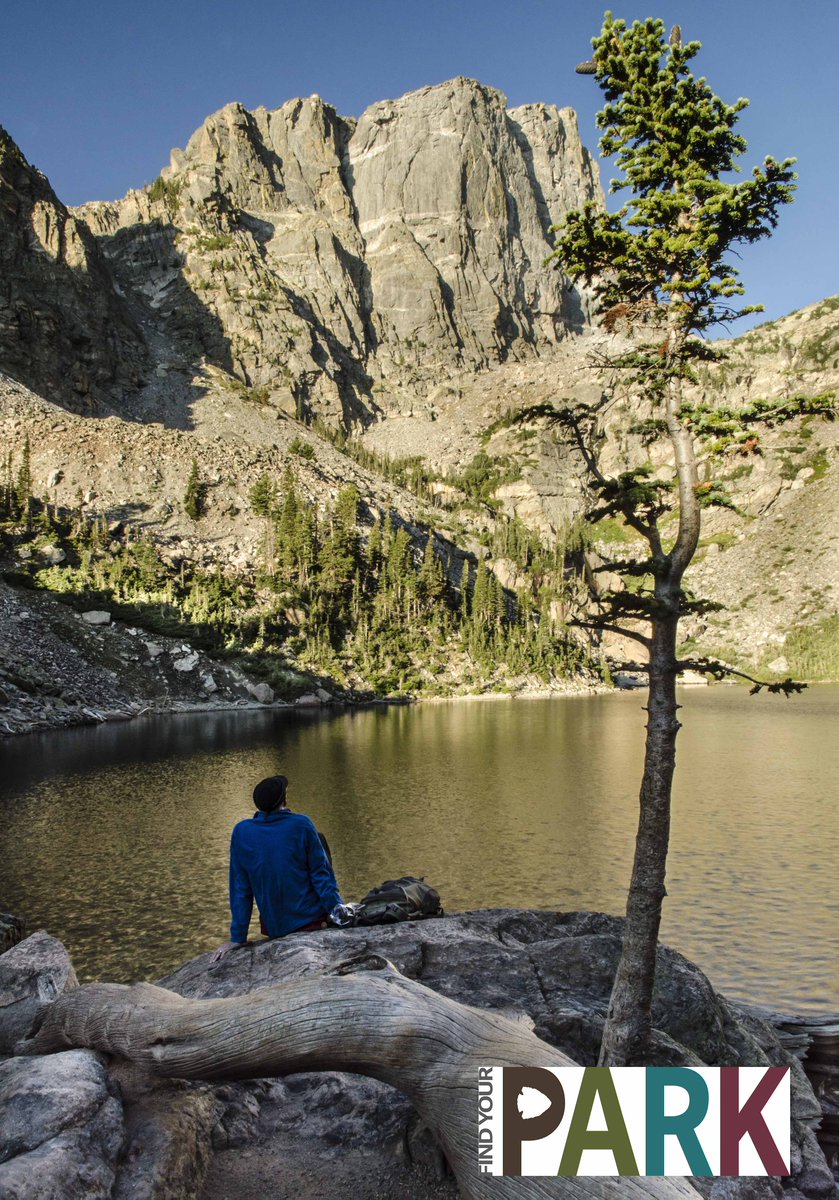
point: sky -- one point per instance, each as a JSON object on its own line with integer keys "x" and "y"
{"x": 97, "y": 93}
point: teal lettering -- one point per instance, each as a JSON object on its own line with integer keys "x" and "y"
{"x": 683, "y": 1125}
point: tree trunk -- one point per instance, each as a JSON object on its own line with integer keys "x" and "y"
{"x": 382, "y": 1025}
{"x": 626, "y": 1036}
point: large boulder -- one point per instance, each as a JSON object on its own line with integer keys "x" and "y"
{"x": 551, "y": 970}
{"x": 32, "y": 974}
{"x": 61, "y": 1131}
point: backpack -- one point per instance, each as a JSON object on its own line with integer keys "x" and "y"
{"x": 405, "y": 899}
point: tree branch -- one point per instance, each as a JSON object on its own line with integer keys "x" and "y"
{"x": 622, "y": 665}
{"x": 720, "y": 670}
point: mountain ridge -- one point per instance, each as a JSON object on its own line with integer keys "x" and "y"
{"x": 269, "y": 312}
{"x": 341, "y": 264}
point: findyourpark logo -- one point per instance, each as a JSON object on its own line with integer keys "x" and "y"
{"x": 633, "y": 1121}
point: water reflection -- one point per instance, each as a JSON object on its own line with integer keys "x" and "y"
{"x": 115, "y": 838}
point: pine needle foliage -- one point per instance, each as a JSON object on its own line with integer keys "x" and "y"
{"x": 661, "y": 269}
{"x": 666, "y": 252}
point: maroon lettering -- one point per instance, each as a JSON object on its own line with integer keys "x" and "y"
{"x": 737, "y": 1122}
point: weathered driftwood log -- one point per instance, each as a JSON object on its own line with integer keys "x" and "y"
{"x": 378, "y": 1023}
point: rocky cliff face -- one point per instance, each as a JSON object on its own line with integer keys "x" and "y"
{"x": 386, "y": 275}
{"x": 339, "y": 264}
{"x": 64, "y": 329}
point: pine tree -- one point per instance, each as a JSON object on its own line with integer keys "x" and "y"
{"x": 387, "y": 534}
{"x": 288, "y": 526}
{"x": 346, "y": 517}
{"x": 432, "y": 584}
{"x": 399, "y": 566}
{"x": 194, "y": 494}
{"x": 306, "y": 543}
{"x": 9, "y": 499}
{"x": 465, "y": 609}
{"x": 263, "y": 496}
{"x": 661, "y": 269}
{"x": 374, "y": 551}
{"x": 339, "y": 552}
{"x": 23, "y": 486}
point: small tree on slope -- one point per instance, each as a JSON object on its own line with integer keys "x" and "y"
{"x": 661, "y": 271}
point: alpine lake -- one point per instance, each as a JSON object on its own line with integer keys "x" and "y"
{"x": 115, "y": 838}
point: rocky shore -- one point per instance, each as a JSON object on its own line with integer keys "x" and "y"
{"x": 75, "y": 1123}
{"x": 60, "y": 667}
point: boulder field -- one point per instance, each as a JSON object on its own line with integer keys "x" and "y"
{"x": 80, "y": 1123}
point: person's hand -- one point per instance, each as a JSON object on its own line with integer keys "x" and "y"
{"x": 225, "y": 948}
{"x": 342, "y": 914}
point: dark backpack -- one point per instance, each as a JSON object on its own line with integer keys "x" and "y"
{"x": 405, "y": 899}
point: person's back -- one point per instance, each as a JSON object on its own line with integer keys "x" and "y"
{"x": 278, "y": 859}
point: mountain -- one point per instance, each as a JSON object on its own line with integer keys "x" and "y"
{"x": 305, "y": 297}
{"x": 64, "y": 327}
{"x": 338, "y": 265}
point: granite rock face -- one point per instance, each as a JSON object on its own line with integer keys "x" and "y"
{"x": 64, "y": 329}
{"x": 32, "y": 974}
{"x": 333, "y": 263}
{"x": 455, "y": 197}
{"x": 62, "y": 1127}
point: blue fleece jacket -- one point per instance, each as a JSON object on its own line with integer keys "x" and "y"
{"x": 277, "y": 859}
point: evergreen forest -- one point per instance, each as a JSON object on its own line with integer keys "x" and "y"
{"x": 346, "y": 595}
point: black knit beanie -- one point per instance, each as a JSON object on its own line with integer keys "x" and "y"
{"x": 270, "y": 793}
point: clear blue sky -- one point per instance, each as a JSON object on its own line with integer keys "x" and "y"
{"x": 96, "y": 93}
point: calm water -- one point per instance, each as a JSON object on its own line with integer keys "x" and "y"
{"x": 115, "y": 838}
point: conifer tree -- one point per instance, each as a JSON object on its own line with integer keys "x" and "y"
{"x": 340, "y": 549}
{"x": 432, "y": 584}
{"x": 9, "y": 500}
{"x": 479, "y": 596}
{"x": 23, "y": 486}
{"x": 306, "y": 543}
{"x": 464, "y": 607}
{"x": 374, "y": 551}
{"x": 263, "y": 496}
{"x": 288, "y": 526}
{"x": 399, "y": 564}
{"x": 662, "y": 271}
{"x": 346, "y": 516}
{"x": 194, "y": 494}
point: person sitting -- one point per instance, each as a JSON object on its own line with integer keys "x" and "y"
{"x": 277, "y": 858}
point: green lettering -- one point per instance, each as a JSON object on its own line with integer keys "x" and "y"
{"x": 597, "y": 1081}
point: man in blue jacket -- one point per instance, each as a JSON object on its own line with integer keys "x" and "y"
{"x": 277, "y": 858}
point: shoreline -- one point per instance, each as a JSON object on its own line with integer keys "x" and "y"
{"x": 88, "y": 715}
